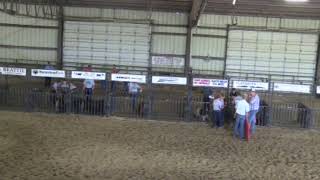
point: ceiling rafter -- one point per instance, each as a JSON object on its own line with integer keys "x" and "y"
{"x": 272, "y": 8}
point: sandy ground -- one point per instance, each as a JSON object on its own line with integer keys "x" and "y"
{"x": 57, "y": 147}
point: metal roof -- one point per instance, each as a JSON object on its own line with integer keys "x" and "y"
{"x": 277, "y": 8}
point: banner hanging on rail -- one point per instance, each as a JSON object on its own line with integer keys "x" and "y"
{"x": 262, "y": 86}
{"x": 13, "y": 71}
{"x": 199, "y": 82}
{"x": 128, "y": 78}
{"x": 48, "y": 73}
{"x": 169, "y": 80}
{"x": 88, "y": 75}
{"x": 283, "y": 87}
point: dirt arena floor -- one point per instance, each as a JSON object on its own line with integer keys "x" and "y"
{"x": 60, "y": 147}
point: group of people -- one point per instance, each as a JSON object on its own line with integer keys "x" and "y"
{"x": 245, "y": 107}
{"x": 65, "y": 86}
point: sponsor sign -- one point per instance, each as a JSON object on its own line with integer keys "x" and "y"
{"x": 169, "y": 80}
{"x": 13, "y": 71}
{"x": 292, "y": 88}
{"x": 318, "y": 89}
{"x": 88, "y": 75}
{"x": 128, "y": 78}
{"x": 48, "y": 73}
{"x": 167, "y": 61}
{"x": 199, "y": 82}
{"x": 251, "y": 85}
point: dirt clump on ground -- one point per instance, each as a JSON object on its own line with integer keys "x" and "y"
{"x": 67, "y": 147}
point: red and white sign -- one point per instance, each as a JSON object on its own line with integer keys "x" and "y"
{"x": 199, "y": 82}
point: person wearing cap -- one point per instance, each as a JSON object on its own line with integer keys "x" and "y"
{"x": 254, "y": 108}
{"x": 218, "y": 105}
{"x": 242, "y": 113}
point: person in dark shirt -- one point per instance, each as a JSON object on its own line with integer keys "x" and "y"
{"x": 233, "y": 93}
{"x": 206, "y": 100}
{"x": 47, "y": 82}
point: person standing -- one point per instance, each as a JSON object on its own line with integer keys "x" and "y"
{"x": 254, "y": 109}
{"x": 242, "y": 113}
{"x": 47, "y": 80}
{"x": 134, "y": 90}
{"x": 218, "y": 105}
{"x": 207, "y": 91}
{"x": 88, "y": 68}
{"x": 88, "y": 87}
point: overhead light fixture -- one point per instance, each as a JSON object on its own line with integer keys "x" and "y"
{"x": 297, "y": 0}
{"x": 234, "y": 2}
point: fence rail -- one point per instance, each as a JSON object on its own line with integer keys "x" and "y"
{"x": 295, "y": 115}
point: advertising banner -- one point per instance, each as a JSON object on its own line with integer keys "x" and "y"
{"x": 199, "y": 82}
{"x": 262, "y": 86}
{"x": 169, "y": 80}
{"x": 292, "y": 88}
{"x": 13, "y": 71}
{"x": 48, "y": 73}
{"x": 128, "y": 78}
{"x": 88, "y": 75}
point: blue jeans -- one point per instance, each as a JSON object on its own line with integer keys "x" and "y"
{"x": 218, "y": 118}
{"x": 239, "y": 126}
{"x": 134, "y": 97}
{"x": 88, "y": 91}
{"x": 252, "y": 120}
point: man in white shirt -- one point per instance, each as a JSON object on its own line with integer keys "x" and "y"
{"x": 88, "y": 87}
{"x": 242, "y": 113}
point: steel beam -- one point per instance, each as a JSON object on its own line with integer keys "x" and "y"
{"x": 60, "y": 38}
{"x": 198, "y": 7}
{"x": 317, "y": 73}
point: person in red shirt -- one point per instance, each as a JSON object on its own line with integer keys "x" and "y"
{"x": 88, "y": 69}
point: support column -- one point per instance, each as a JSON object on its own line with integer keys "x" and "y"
{"x": 188, "y": 74}
{"x": 60, "y": 38}
{"x": 317, "y": 73}
{"x": 226, "y": 52}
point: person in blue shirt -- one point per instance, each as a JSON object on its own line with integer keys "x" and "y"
{"x": 88, "y": 87}
{"x": 47, "y": 80}
{"x": 254, "y": 109}
{"x": 218, "y": 106}
{"x": 134, "y": 90}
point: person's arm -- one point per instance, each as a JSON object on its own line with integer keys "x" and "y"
{"x": 222, "y": 104}
{"x": 211, "y": 97}
{"x": 84, "y": 85}
{"x": 93, "y": 84}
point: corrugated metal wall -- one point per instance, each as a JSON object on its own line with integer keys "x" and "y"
{"x": 208, "y": 50}
{"x": 37, "y": 42}
{"x": 289, "y": 57}
{"x": 106, "y": 43}
{"x": 27, "y": 40}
